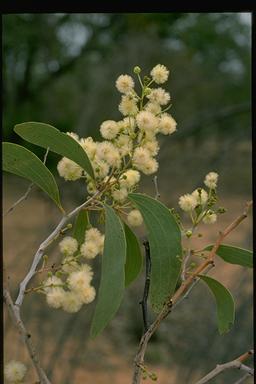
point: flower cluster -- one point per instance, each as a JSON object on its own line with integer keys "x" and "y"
{"x": 129, "y": 146}
{"x": 15, "y": 371}
{"x": 199, "y": 204}
{"x": 70, "y": 294}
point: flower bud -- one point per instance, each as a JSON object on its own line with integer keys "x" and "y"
{"x": 136, "y": 70}
{"x": 147, "y": 91}
{"x": 189, "y": 234}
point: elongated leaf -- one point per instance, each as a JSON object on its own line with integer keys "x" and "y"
{"x": 225, "y": 304}
{"x": 165, "y": 248}
{"x": 24, "y": 163}
{"x": 133, "y": 256}
{"x": 112, "y": 282}
{"x": 234, "y": 255}
{"x": 81, "y": 224}
{"x": 46, "y": 136}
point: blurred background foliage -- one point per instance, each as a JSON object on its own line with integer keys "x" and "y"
{"x": 61, "y": 69}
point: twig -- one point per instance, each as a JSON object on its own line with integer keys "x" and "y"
{"x": 15, "y": 314}
{"x": 25, "y": 196}
{"x": 237, "y": 363}
{"x": 196, "y": 281}
{"x": 243, "y": 378}
{"x": 139, "y": 358}
{"x": 157, "y": 195}
{"x": 143, "y": 302}
{"x": 44, "y": 245}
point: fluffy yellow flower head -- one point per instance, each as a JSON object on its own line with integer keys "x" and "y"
{"x": 68, "y": 246}
{"x": 124, "y": 144}
{"x": 167, "y": 124}
{"x": 120, "y": 194}
{"x": 71, "y": 302}
{"x": 93, "y": 234}
{"x": 14, "y": 371}
{"x": 159, "y": 74}
{"x": 211, "y": 180}
{"x": 159, "y": 96}
{"x": 147, "y": 121}
{"x": 87, "y": 294}
{"x": 153, "y": 108}
{"x": 187, "y": 202}
{"x": 143, "y": 161}
{"x": 80, "y": 279}
{"x": 55, "y": 297}
{"x": 109, "y": 129}
{"x": 100, "y": 167}
{"x": 130, "y": 178}
{"x": 109, "y": 153}
{"x": 134, "y": 218}
{"x": 89, "y": 249}
{"x": 89, "y": 146}
{"x": 124, "y": 83}
{"x": 128, "y": 106}
{"x": 69, "y": 170}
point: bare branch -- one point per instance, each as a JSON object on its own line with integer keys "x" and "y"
{"x": 170, "y": 303}
{"x": 237, "y": 363}
{"x": 15, "y": 314}
{"x": 242, "y": 379}
{"x": 25, "y": 196}
{"x": 157, "y": 195}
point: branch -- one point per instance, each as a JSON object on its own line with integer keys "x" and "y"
{"x": 46, "y": 243}
{"x": 170, "y": 303}
{"x": 15, "y": 314}
{"x": 146, "y": 287}
{"x": 157, "y": 195}
{"x": 25, "y": 196}
{"x": 237, "y": 363}
{"x": 243, "y": 378}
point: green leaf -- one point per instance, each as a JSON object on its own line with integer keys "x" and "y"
{"x": 24, "y": 163}
{"x": 112, "y": 282}
{"x": 165, "y": 248}
{"x": 133, "y": 256}
{"x": 47, "y": 136}
{"x": 225, "y": 304}
{"x": 234, "y": 255}
{"x": 81, "y": 224}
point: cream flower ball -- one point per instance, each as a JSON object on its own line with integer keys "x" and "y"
{"x": 159, "y": 74}
{"x": 124, "y": 83}
{"x": 69, "y": 170}
{"x": 134, "y": 218}
{"x": 211, "y": 180}
{"x": 14, "y": 371}
{"x": 187, "y": 202}
{"x": 68, "y": 246}
{"x": 109, "y": 129}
